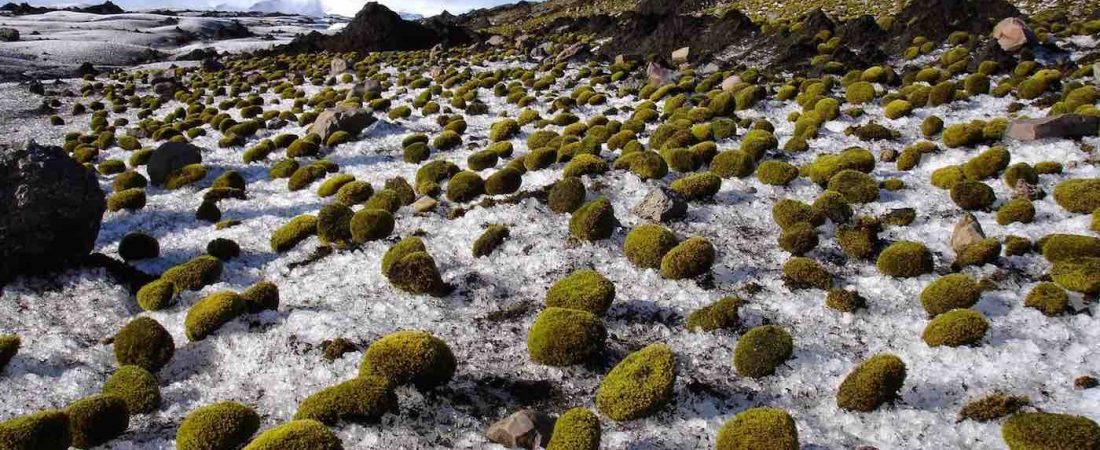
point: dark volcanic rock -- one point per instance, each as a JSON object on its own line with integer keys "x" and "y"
{"x": 9, "y": 34}
{"x": 104, "y": 8}
{"x": 660, "y": 33}
{"x": 170, "y": 157}
{"x": 52, "y": 207}
{"x": 936, "y": 19}
{"x": 377, "y": 28}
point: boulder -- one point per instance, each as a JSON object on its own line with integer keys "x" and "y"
{"x": 9, "y": 34}
{"x": 523, "y": 429}
{"x": 343, "y": 117}
{"x": 1013, "y": 34}
{"x": 495, "y": 41}
{"x": 731, "y": 82}
{"x": 372, "y": 87}
{"x": 661, "y": 205}
{"x": 680, "y": 56}
{"x": 967, "y": 231}
{"x": 170, "y": 157}
{"x": 570, "y": 52}
{"x": 52, "y": 207}
{"x": 1026, "y": 190}
{"x": 659, "y": 75}
{"x": 338, "y": 66}
{"x": 425, "y": 205}
{"x": 165, "y": 88}
{"x": 1061, "y": 126}
{"x": 211, "y": 65}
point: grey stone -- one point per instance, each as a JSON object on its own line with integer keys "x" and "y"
{"x": 166, "y": 88}
{"x": 1061, "y": 126}
{"x": 966, "y": 232}
{"x": 569, "y": 52}
{"x": 523, "y": 429}
{"x": 211, "y": 65}
{"x": 53, "y": 208}
{"x": 425, "y": 205}
{"x": 661, "y": 205}
{"x": 659, "y": 75}
{"x": 338, "y": 66}
{"x": 170, "y": 157}
{"x": 343, "y": 117}
{"x": 888, "y": 155}
{"x": 9, "y": 34}
{"x": 495, "y": 41}
{"x": 1026, "y": 190}
{"x": 680, "y": 56}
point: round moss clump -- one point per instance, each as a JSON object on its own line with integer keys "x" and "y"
{"x": 156, "y": 295}
{"x": 414, "y": 357}
{"x": 647, "y": 244}
{"x": 1048, "y": 298}
{"x": 223, "y": 249}
{"x": 856, "y": 187}
{"x": 44, "y": 430}
{"x": 566, "y": 195}
{"x": 503, "y": 181}
{"x": 639, "y": 385}
{"x": 576, "y": 429}
{"x": 1079, "y": 195}
{"x": 585, "y": 290}
{"x": 1045, "y": 431}
{"x": 805, "y": 272}
{"x": 261, "y": 296}
{"x": 776, "y": 173}
{"x": 585, "y": 164}
{"x": 492, "y": 238}
{"x": 955, "y": 328}
{"x": 950, "y": 292}
{"x": 905, "y": 259}
{"x": 759, "y": 429}
{"x": 564, "y": 337}
{"x": 137, "y": 246}
{"x": 465, "y": 186}
{"x": 135, "y": 386}
{"x": 732, "y": 163}
{"x": 1017, "y": 210}
{"x": 95, "y": 420}
{"x": 697, "y": 186}
{"x": 721, "y": 314}
{"x": 798, "y": 239}
{"x": 1078, "y": 274}
{"x": 220, "y": 426}
{"x": 688, "y": 259}
{"x": 371, "y": 225}
{"x": 144, "y": 343}
{"x": 788, "y": 212}
{"x": 833, "y": 206}
{"x": 761, "y": 350}
{"x": 844, "y": 300}
{"x": 1058, "y": 247}
{"x": 195, "y": 274}
{"x": 872, "y": 383}
{"x": 9, "y": 346}
{"x": 985, "y": 251}
{"x": 210, "y": 313}
{"x": 297, "y": 435}
{"x": 131, "y": 199}
{"x": 593, "y": 221}
{"x": 365, "y": 399}
{"x": 292, "y": 233}
{"x": 416, "y": 273}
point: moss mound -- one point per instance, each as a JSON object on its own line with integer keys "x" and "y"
{"x": 504, "y": 181}
{"x": 1017, "y": 210}
{"x": 805, "y": 272}
{"x": 798, "y": 239}
{"x": 1042, "y": 431}
{"x": 576, "y": 429}
{"x": 95, "y": 420}
{"x": 593, "y": 221}
{"x": 761, "y": 350}
{"x": 647, "y": 244}
{"x": 144, "y": 343}
{"x": 788, "y": 212}
{"x": 905, "y": 259}
{"x": 992, "y": 407}
{"x": 639, "y": 385}
{"x": 261, "y": 296}
{"x": 721, "y": 314}
{"x": 135, "y": 386}
{"x": 465, "y": 186}
{"x": 492, "y": 238}
{"x": 414, "y": 357}
{"x": 9, "y": 346}
{"x": 371, "y": 225}
{"x": 585, "y": 290}
{"x": 688, "y": 259}
{"x": 365, "y": 399}
{"x": 297, "y": 435}
{"x": 567, "y": 195}
{"x": 1048, "y": 298}
{"x": 732, "y": 163}
{"x": 1080, "y": 195}
{"x": 45, "y": 430}
{"x": 856, "y": 187}
{"x": 697, "y": 186}
{"x": 194, "y": 274}
{"x": 950, "y": 292}
{"x": 209, "y": 314}
{"x": 759, "y": 429}
{"x": 985, "y": 251}
{"x": 1059, "y": 247}
{"x": 1078, "y": 274}
{"x": 156, "y": 295}
{"x": 955, "y": 328}
{"x": 564, "y": 337}
{"x": 844, "y": 300}
{"x": 776, "y": 173}
{"x": 220, "y": 426}
{"x": 872, "y": 383}
{"x": 972, "y": 195}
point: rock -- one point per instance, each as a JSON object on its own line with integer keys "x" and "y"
{"x": 1085, "y": 382}
{"x": 1060, "y": 126}
{"x": 86, "y": 69}
{"x": 1013, "y": 34}
{"x": 569, "y": 52}
{"x": 620, "y": 59}
{"x": 9, "y": 34}
{"x": 435, "y": 52}
{"x": 338, "y": 66}
{"x": 36, "y": 88}
{"x": 343, "y": 117}
{"x": 211, "y": 65}
{"x": 661, "y": 205}
{"x": 659, "y": 75}
{"x": 542, "y": 51}
{"x": 731, "y": 82}
{"x": 170, "y": 157}
{"x": 495, "y": 41}
{"x": 680, "y": 56}
{"x": 165, "y": 88}
{"x": 967, "y": 231}
{"x": 888, "y": 155}
{"x": 372, "y": 87}
{"x": 425, "y": 205}
{"x": 523, "y": 429}
{"x": 53, "y": 207}
{"x": 1096, "y": 73}
{"x": 1023, "y": 189}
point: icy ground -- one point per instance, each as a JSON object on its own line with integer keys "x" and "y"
{"x": 273, "y": 360}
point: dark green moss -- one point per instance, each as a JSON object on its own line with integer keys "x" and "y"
{"x": 365, "y": 399}
{"x": 788, "y": 212}
{"x": 798, "y": 239}
{"x": 220, "y": 426}
{"x": 905, "y": 259}
{"x": 9, "y": 346}
{"x": 992, "y": 407}
{"x": 143, "y": 342}
{"x": 688, "y": 259}
{"x": 1017, "y": 210}
{"x": 292, "y": 233}
{"x": 732, "y": 163}
{"x": 334, "y": 225}
{"x": 950, "y": 292}
{"x": 130, "y": 199}
{"x": 856, "y": 187}
{"x": 489, "y": 240}
{"x": 721, "y": 314}
{"x": 414, "y": 357}
{"x": 639, "y": 386}
{"x": 872, "y": 383}
{"x": 44, "y": 430}
{"x": 805, "y": 272}
{"x": 593, "y": 221}
{"x": 955, "y": 328}
{"x": 1042, "y": 431}
{"x": 223, "y": 249}
{"x": 761, "y": 350}
{"x": 759, "y": 429}
{"x": 844, "y": 300}
{"x": 464, "y": 187}
{"x": 303, "y": 434}
{"x": 979, "y": 253}
{"x": 135, "y": 386}
{"x": 567, "y": 195}
{"x": 647, "y": 244}
{"x": 95, "y": 420}
{"x": 136, "y": 246}
{"x": 564, "y": 337}
{"x": 504, "y": 181}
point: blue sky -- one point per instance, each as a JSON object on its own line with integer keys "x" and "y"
{"x": 344, "y": 7}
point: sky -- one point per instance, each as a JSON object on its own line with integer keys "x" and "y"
{"x": 342, "y": 7}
